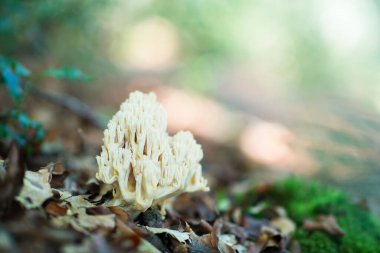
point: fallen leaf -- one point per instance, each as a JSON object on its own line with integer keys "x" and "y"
{"x": 236, "y": 230}
{"x": 85, "y": 223}
{"x": 284, "y": 224}
{"x": 57, "y": 168}
{"x": 62, "y": 194}
{"x": 202, "y": 245}
{"x": 93, "y": 222}
{"x": 227, "y": 243}
{"x": 119, "y": 212}
{"x": 36, "y": 189}
{"x": 180, "y": 236}
{"x": 254, "y": 226}
{"x": 55, "y": 209}
{"x": 77, "y": 204}
{"x": 326, "y": 223}
{"x": 58, "y": 172}
{"x": 197, "y": 206}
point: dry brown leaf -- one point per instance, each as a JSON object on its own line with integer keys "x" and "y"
{"x": 227, "y": 243}
{"x": 58, "y": 173}
{"x": 77, "y": 204}
{"x": 55, "y": 209}
{"x": 36, "y": 188}
{"x": 326, "y": 223}
{"x": 187, "y": 228}
{"x": 207, "y": 240}
{"x": 58, "y": 168}
{"x": 180, "y": 236}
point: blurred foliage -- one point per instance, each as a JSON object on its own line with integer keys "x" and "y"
{"x": 11, "y": 73}
{"x": 66, "y": 73}
{"x": 15, "y": 124}
{"x": 298, "y": 44}
{"x": 205, "y": 32}
{"x": 65, "y": 31}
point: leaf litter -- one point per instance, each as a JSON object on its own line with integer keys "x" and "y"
{"x": 64, "y": 210}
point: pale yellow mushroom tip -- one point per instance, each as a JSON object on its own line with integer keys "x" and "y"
{"x": 143, "y": 163}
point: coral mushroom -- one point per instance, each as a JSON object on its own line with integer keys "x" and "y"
{"x": 142, "y": 162}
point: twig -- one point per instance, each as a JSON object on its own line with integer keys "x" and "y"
{"x": 72, "y": 104}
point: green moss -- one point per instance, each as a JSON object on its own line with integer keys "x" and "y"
{"x": 305, "y": 199}
{"x": 316, "y": 242}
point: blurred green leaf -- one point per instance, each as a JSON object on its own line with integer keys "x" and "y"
{"x": 7, "y": 133}
{"x": 223, "y": 203}
{"x": 23, "y": 120}
{"x": 20, "y": 70}
{"x": 70, "y": 74}
{"x": 19, "y": 127}
{"x": 11, "y": 80}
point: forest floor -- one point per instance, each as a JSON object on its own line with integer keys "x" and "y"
{"x": 51, "y": 202}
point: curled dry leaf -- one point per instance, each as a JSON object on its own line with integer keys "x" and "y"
{"x": 180, "y": 236}
{"x": 326, "y": 223}
{"x": 36, "y": 188}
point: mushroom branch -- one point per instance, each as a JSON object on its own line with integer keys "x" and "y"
{"x": 144, "y": 165}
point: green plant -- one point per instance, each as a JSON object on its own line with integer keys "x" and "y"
{"x": 15, "y": 123}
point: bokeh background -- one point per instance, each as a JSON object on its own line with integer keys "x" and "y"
{"x": 270, "y": 88}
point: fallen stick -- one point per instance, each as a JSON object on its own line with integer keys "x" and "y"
{"x": 72, "y": 104}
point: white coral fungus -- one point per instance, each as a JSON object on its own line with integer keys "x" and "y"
{"x": 143, "y": 163}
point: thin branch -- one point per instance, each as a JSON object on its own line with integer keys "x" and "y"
{"x": 72, "y": 104}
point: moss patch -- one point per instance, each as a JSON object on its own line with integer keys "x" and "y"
{"x": 304, "y": 199}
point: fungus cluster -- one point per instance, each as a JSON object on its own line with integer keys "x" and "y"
{"x": 142, "y": 162}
